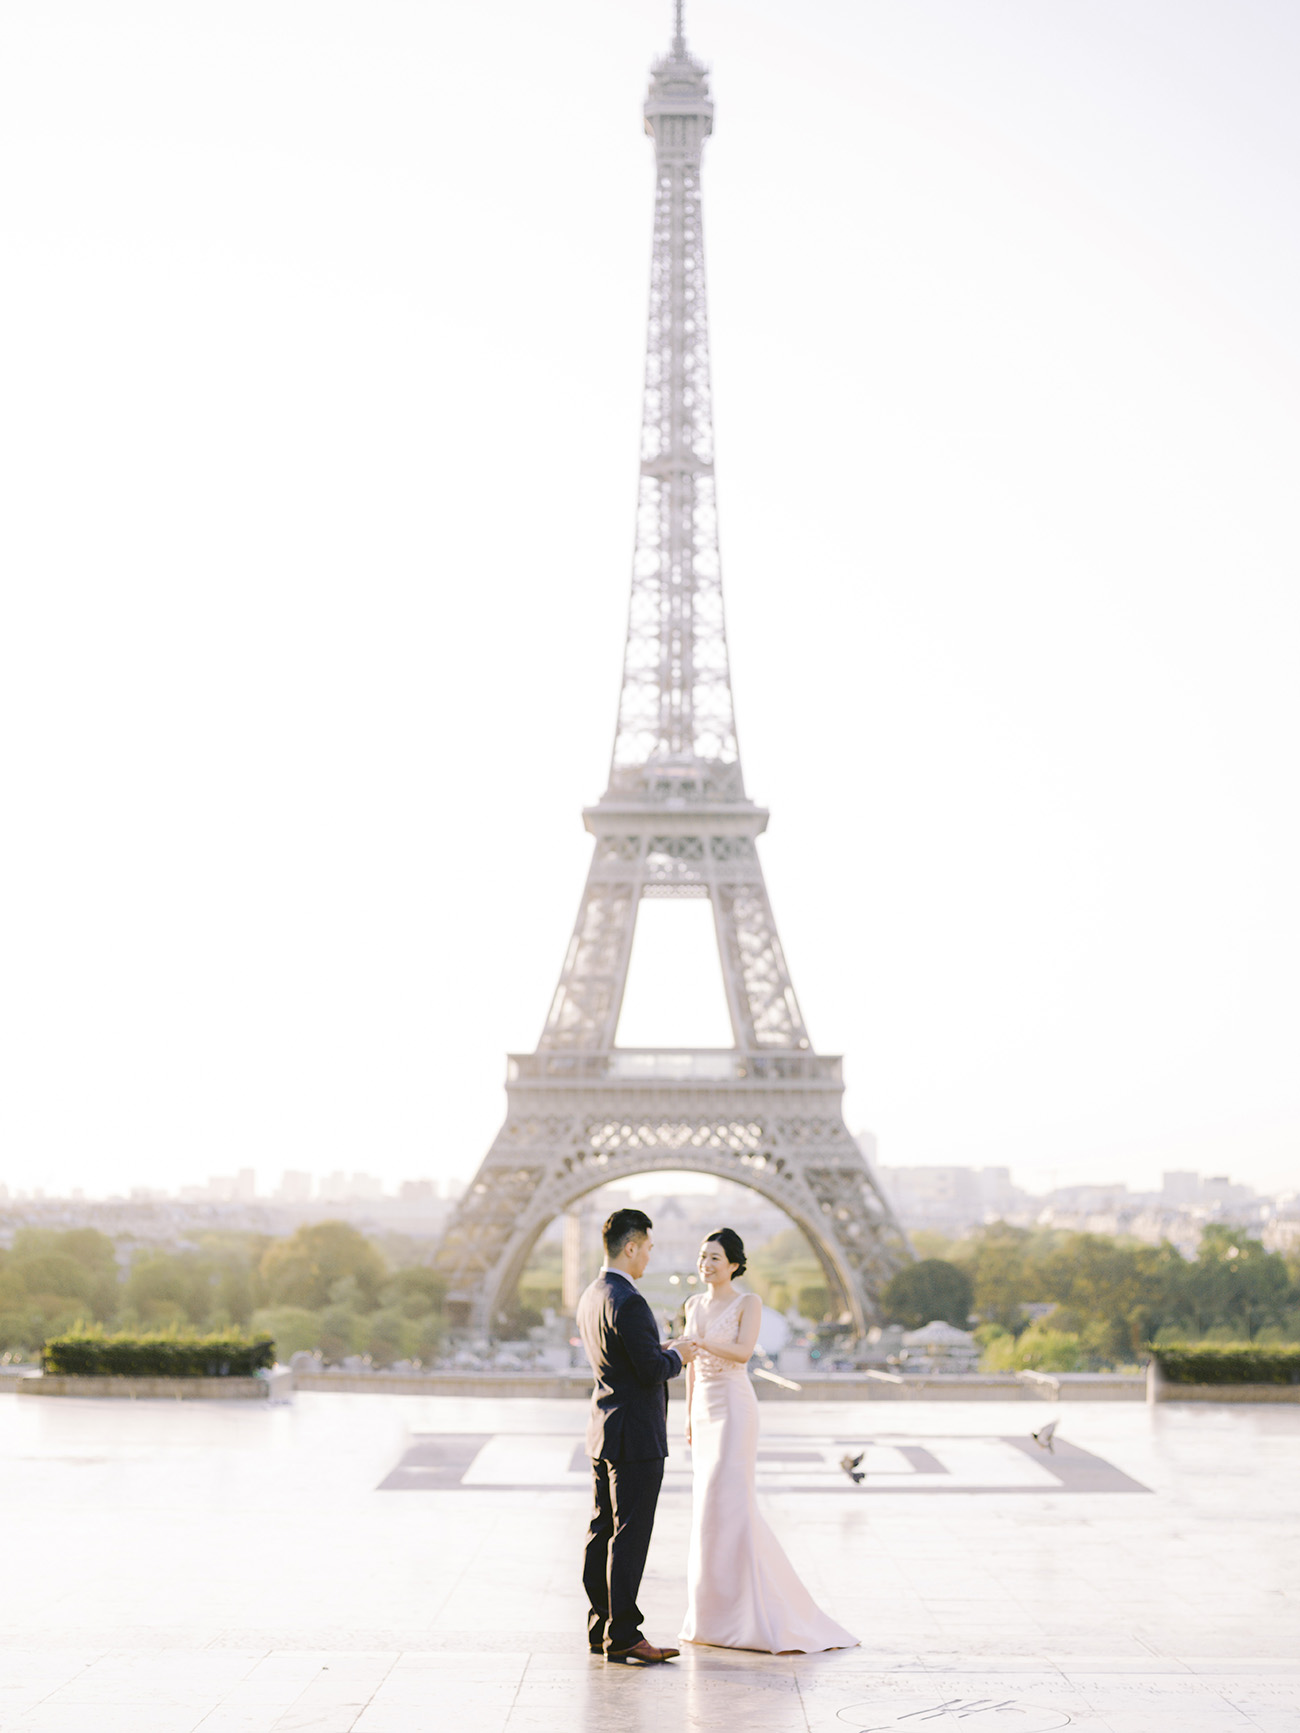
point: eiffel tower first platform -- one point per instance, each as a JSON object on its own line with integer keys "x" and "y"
{"x": 675, "y": 821}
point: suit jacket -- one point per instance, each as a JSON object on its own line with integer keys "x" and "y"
{"x": 629, "y": 1406}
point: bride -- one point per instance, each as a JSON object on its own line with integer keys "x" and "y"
{"x": 742, "y": 1591}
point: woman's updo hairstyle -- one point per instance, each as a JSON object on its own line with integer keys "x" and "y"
{"x": 733, "y": 1248}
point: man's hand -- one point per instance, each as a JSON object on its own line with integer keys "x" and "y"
{"x": 686, "y": 1347}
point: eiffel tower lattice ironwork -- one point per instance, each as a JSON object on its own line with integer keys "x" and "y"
{"x": 675, "y": 821}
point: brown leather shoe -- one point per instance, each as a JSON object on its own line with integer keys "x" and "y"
{"x": 641, "y": 1654}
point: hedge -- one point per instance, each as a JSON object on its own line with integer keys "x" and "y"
{"x": 1228, "y": 1363}
{"x": 157, "y": 1354}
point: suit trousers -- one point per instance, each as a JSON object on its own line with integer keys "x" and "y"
{"x": 624, "y": 1498}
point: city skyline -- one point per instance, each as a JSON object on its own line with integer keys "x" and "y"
{"x": 307, "y": 606}
{"x": 298, "y": 1185}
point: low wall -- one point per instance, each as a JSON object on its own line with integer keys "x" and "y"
{"x": 12, "y": 1376}
{"x": 539, "y": 1384}
{"x": 179, "y": 1389}
{"x": 1228, "y": 1393}
{"x": 966, "y": 1387}
{"x": 1160, "y": 1389}
{"x": 576, "y": 1386}
{"x": 814, "y": 1386}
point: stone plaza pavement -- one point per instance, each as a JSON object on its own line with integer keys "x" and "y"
{"x": 392, "y": 1564}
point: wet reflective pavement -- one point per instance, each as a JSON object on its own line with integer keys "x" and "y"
{"x": 384, "y": 1564}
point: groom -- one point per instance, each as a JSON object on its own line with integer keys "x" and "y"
{"x": 627, "y": 1437}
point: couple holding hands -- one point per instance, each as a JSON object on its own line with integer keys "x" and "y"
{"x": 742, "y": 1591}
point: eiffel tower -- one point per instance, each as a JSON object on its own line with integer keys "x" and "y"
{"x": 675, "y": 821}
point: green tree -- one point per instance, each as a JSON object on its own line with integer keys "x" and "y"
{"x": 293, "y": 1329}
{"x": 164, "y": 1288}
{"x": 1114, "y": 1293}
{"x": 1039, "y": 1348}
{"x": 1234, "y": 1284}
{"x": 929, "y": 1289}
{"x": 93, "y": 1250}
{"x": 997, "y": 1259}
{"x": 86, "y": 1249}
{"x": 43, "y": 1290}
{"x": 387, "y": 1335}
{"x": 302, "y": 1270}
{"x": 52, "y": 1275}
{"x": 233, "y": 1292}
{"x": 784, "y": 1269}
{"x": 813, "y": 1301}
{"x": 339, "y": 1331}
{"x": 415, "y": 1292}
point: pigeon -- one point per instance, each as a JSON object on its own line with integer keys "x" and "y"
{"x": 1043, "y": 1437}
{"x": 850, "y": 1466}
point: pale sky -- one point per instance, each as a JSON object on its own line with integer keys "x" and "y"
{"x": 322, "y": 347}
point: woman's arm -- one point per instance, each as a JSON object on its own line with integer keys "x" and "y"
{"x": 751, "y": 1317}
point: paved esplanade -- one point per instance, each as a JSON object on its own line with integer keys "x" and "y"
{"x": 376, "y": 1564}
{"x": 675, "y": 821}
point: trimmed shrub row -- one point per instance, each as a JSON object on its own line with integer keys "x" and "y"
{"x": 90, "y": 1353}
{"x": 1228, "y": 1363}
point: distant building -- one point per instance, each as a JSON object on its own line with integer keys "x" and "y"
{"x": 1283, "y": 1233}
{"x": 950, "y": 1199}
{"x": 1178, "y": 1189}
{"x": 1220, "y": 1195}
{"x": 956, "y": 1200}
{"x": 238, "y": 1187}
{"x": 346, "y": 1188}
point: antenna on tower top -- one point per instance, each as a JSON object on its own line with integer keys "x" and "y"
{"x": 679, "y": 34}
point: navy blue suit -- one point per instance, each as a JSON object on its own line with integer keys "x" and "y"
{"x": 627, "y": 1440}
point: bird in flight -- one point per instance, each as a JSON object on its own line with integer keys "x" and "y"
{"x": 852, "y": 1467}
{"x": 1043, "y": 1437}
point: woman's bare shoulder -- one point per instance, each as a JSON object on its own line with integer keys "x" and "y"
{"x": 750, "y": 1303}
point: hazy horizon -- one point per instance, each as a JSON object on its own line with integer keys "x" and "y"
{"x": 670, "y": 1182}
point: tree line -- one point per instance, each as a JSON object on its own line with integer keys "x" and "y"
{"x": 324, "y": 1287}
{"x": 1036, "y": 1297}
{"x": 1064, "y": 1302}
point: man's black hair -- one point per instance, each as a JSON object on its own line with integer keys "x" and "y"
{"x": 622, "y": 1226}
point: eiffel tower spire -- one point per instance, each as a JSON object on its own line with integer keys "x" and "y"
{"x": 676, "y": 732}
{"x": 674, "y": 821}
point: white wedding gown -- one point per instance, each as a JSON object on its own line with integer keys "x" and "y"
{"x": 742, "y": 1591}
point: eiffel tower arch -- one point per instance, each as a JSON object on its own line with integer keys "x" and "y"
{"x": 675, "y": 821}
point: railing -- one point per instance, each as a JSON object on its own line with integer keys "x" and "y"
{"x": 707, "y": 1067}
{"x": 664, "y": 1065}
